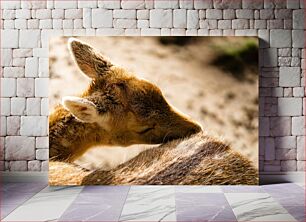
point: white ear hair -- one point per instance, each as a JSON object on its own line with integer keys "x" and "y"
{"x": 83, "y": 109}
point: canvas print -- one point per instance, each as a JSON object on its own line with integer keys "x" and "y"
{"x": 153, "y": 110}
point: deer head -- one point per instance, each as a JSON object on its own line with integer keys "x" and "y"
{"x": 130, "y": 110}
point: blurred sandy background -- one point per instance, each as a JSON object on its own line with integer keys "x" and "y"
{"x": 212, "y": 79}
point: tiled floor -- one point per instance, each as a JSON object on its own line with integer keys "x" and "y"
{"x": 37, "y": 202}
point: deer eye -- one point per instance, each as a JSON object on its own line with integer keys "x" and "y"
{"x": 145, "y": 130}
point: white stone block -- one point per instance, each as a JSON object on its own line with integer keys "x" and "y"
{"x": 160, "y": 18}
{"x": 41, "y": 87}
{"x": 293, "y": 4}
{"x": 298, "y": 92}
{"x": 102, "y": 18}
{"x": 23, "y": 13}
{"x": 125, "y": 23}
{"x": 301, "y": 148}
{"x": 288, "y": 165}
{"x": 215, "y": 32}
{"x": 270, "y": 57}
{"x": 143, "y": 14}
{"x": 142, "y": 23}
{"x": 90, "y": 32}
{"x": 2, "y": 133}
{"x": 87, "y": 4}
{"x": 289, "y": 106}
{"x": 44, "y": 107}
{"x": 29, "y": 38}
{"x": 109, "y": 4}
{"x": 34, "y": 165}
{"x": 42, "y": 154}
{"x": 110, "y": 31}
{"x": 25, "y": 87}
{"x": 43, "y": 70}
{"x": 245, "y": 14}
{"x": 178, "y": 32}
{"x": 8, "y": 14}
{"x": 45, "y": 165}
{"x": 66, "y": 4}
{"x": 73, "y": 13}
{"x": 8, "y": 87}
{"x": 127, "y": 4}
{"x": 18, "y": 106}
{"x": 186, "y": 4}
{"x": 33, "y": 24}
{"x": 86, "y": 18}
{"x": 264, "y": 37}
{"x": 191, "y": 32}
{"x": 6, "y": 57}
{"x": 240, "y": 24}
{"x": 203, "y": 4}
{"x": 17, "y": 166}
{"x": 20, "y": 148}
{"x": 298, "y": 38}
{"x": 251, "y": 4}
{"x": 192, "y": 19}
{"x": 13, "y": 72}
{"x": 19, "y": 62}
{"x": 269, "y": 149}
{"x": 43, "y": 13}
{"x": 10, "y": 4}
{"x": 78, "y": 24}
{"x": 289, "y": 76}
{"x": 280, "y": 38}
{"x": 34, "y": 126}
{"x": 68, "y": 24}
{"x": 41, "y": 52}
{"x": 132, "y": 32}
{"x": 165, "y": 32}
{"x": 179, "y": 18}
{"x": 150, "y": 32}
{"x": 57, "y": 23}
{"x": 298, "y": 126}
{"x": 122, "y": 13}
{"x": 42, "y": 142}
{"x": 280, "y": 126}
{"x": 58, "y": 13}
{"x": 33, "y": 107}
{"x": 13, "y": 125}
{"x": 224, "y": 24}
{"x": 166, "y": 4}
{"x": 9, "y": 24}
{"x": 5, "y": 106}
{"x": 9, "y": 38}
{"x": 20, "y": 23}
{"x": 33, "y": 4}
{"x": 285, "y": 142}
{"x": 298, "y": 19}
{"x": 271, "y": 168}
{"x": 301, "y": 166}
{"x": 214, "y": 14}
{"x": 45, "y": 24}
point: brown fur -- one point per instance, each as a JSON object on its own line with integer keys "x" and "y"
{"x": 116, "y": 109}
{"x": 198, "y": 160}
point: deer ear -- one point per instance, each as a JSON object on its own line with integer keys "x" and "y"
{"x": 91, "y": 63}
{"x": 81, "y": 108}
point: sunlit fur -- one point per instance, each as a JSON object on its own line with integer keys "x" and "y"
{"x": 128, "y": 111}
{"x": 198, "y": 160}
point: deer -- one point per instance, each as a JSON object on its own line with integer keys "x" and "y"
{"x": 118, "y": 108}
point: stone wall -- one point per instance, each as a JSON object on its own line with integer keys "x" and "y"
{"x": 27, "y": 25}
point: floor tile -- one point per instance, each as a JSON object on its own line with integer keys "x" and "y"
{"x": 242, "y": 189}
{"x": 198, "y": 189}
{"x": 6, "y": 210}
{"x": 49, "y": 204}
{"x": 149, "y": 203}
{"x": 22, "y": 187}
{"x": 298, "y": 212}
{"x": 257, "y": 207}
{"x": 291, "y": 199}
{"x": 282, "y": 188}
{"x": 203, "y": 207}
{"x": 97, "y": 203}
